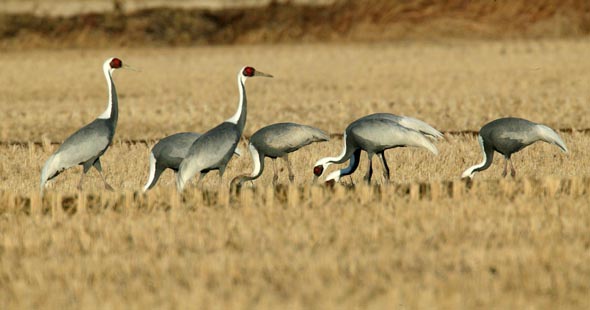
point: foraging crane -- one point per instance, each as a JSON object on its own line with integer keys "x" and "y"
{"x": 352, "y": 148}
{"x": 375, "y": 135}
{"x": 86, "y": 146}
{"x": 277, "y": 141}
{"x": 507, "y": 136}
{"x": 213, "y": 150}
{"x": 168, "y": 153}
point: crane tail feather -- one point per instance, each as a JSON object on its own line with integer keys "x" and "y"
{"x": 321, "y": 135}
{"x": 420, "y": 126}
{"x": 550, "y": 136}
{"x": 314, "y": 134}
{"x": 420, "y": 140}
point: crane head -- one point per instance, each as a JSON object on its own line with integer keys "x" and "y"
{"x": 115, "y": 63}
{"x": 251, "y": 72}
{"x": 318, "y": 170}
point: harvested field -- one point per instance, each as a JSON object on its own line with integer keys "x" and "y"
{"x": 425, "y": 240}
{"x": 458, "y": 85}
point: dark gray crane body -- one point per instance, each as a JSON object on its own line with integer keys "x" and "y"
{"x": 277, "y": 141}
{"x": 508, "y": 136}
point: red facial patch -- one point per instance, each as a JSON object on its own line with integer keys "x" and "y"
{"x": 116, "y": 63}
{"x": 317, "y": 170}
{"x": 249, "y": 71}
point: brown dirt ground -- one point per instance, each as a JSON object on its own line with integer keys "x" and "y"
{"x": 342, "y": 21}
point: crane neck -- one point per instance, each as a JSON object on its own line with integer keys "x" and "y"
{"x": 353, "y": 165}
{"x": 112, "y": 110}
{"x": 240, "y": 117}
{"x": 347, "y": 151}
{"x": 488, "y": 157}
{"x": 258, "y": 167}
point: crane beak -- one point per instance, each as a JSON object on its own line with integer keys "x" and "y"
{"x": 260, "y": 73}
{"x": 128, "y": 67}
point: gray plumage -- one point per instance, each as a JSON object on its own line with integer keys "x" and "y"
{"x": 214, "y": 149}
{"x": 507, "y": 136}
{"x": 88, "y": 144}
{"x": 211, "y": 151}
{"x": 277, "y": 141}
{"x": 408, "y": 122}
{"x": 371, "y": 132}
{"x": 375, "y": 135}
{"x": 168, "y": 153}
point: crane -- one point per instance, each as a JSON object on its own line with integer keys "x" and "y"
{"x": 213, "y": 150}
{"x": 351, "y": 146}
{"x": 89, "y": 143}
{"x": 277, "y": 141}
{"x": 507, "y": 136}
{"x": 375, "y": 135}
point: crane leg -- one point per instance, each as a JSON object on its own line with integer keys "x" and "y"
{"x": 201, "y": 177}
{"x": 504, "y": 172}
{"x": 221, "y": 173}
{"x": 385, "y": 166}
{"x": 98, "y": 167}
{"x": 275, "y": 177}
{"x": 291, "y": 174}
{"x": 81, "y": 181}
{"x": 512, "y": 170}
{"x": 86, "y": 166}
{"x": 369, "y": 174}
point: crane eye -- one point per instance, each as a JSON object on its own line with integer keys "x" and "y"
{"x": 116, "y": 63}
{"x": 317, "y": 170}
{"x": 249, "y": 71}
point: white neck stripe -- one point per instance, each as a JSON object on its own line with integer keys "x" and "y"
{"x": 469, "y": 172}
{"x": 255, "y": 160}
{"x": 106, "y": 68}
{"x": 241, "y": 88}
{"x": 326, "y": 161}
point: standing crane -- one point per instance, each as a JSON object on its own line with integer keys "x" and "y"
{"x": 352, "y": 148}
{"x": 213, "y": 150}
{"x": 374, "y": 136}
{"x": 507, "y": 136}
{"x": 86, "y": 146}
{"x": 277, "y": 141}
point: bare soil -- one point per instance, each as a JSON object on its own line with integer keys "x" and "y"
{"x": 340, "y": 21}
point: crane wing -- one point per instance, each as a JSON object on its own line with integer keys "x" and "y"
{"x": 90, "y": 141}
{"x": 289, "y": 137}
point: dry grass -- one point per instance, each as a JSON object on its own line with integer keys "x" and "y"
{"x": 426, "y": 240}
{"x": 325, "y": 250}
{"x": 453, "y": 85}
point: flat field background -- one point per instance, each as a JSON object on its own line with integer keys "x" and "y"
{"x": 427, "y": 240}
